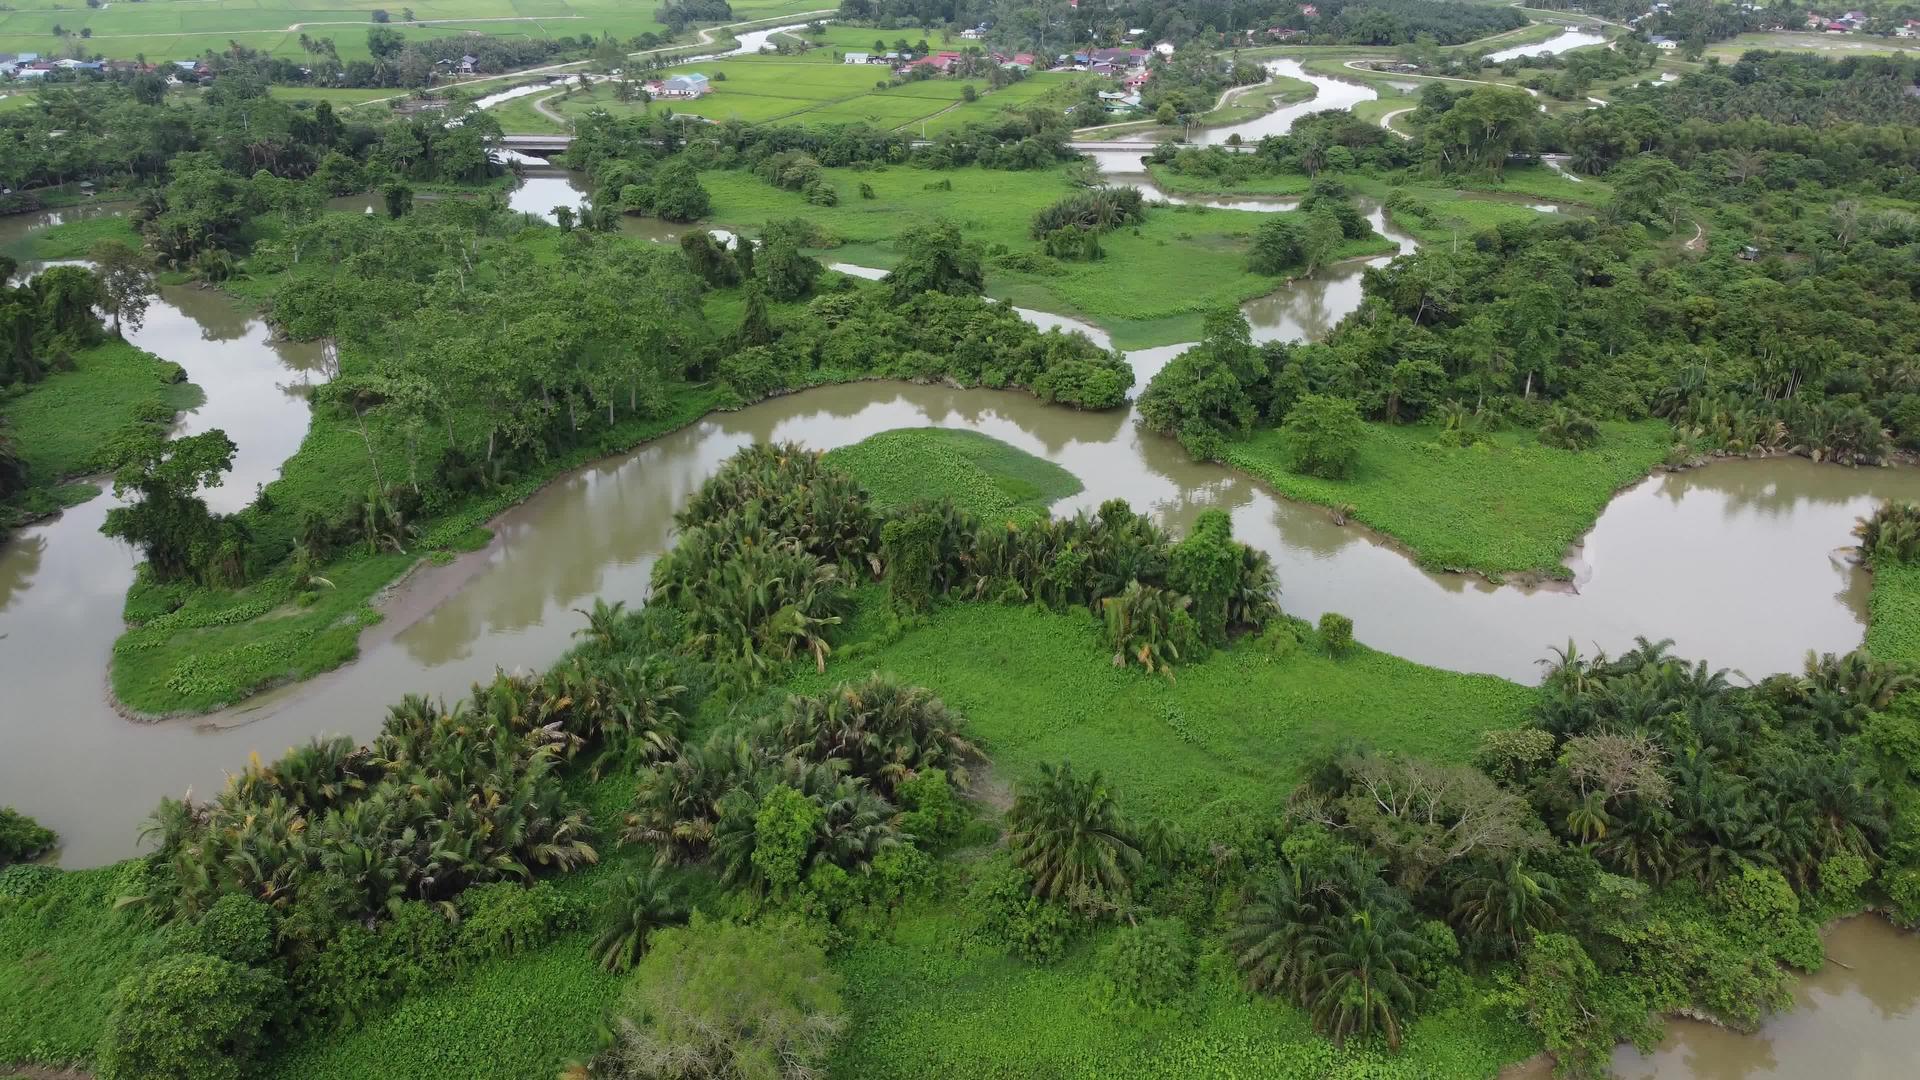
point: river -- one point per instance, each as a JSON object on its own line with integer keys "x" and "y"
{"x": 1564, "y": 41}
{"x": 1676, "y": 555}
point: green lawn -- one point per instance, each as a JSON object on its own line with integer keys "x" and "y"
{"x": 978, "y": 472}
{"x": 1514, "y": 506}
{"x": 1126, "y": 292}
{"x": 181, "y": 29}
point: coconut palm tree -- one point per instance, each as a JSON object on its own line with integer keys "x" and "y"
{"x": 1067, "y": 834}
{"x": 641, "y": 903}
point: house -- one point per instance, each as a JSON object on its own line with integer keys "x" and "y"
{"x": 1165, "y": 48}
{"x": 857, "y": 58}
{"x": 691, "y": 85}
{"x": 1665, "y": 44}
{"x": 1837, "y": 28}
{"x": 1309, "y": 10}
{"x": 1135, "y": 80}
{"x": 1910, "y": 30}
{"x": 39, "y": 69}
{"x": 974, "y": 34}
{"x": 1749, "y": 253}
{"x": 466, "y": 65}
{"x": 1119, "y": 103}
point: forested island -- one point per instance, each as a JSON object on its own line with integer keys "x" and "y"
{"x": 960, "y": 574}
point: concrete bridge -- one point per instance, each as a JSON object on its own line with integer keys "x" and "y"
{"x": 538, "y": 145}
{"x": 1142, "y": 147}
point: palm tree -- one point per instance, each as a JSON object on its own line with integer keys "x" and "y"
{"x": 1588, "y": 820}
{"x": 1066, "y": 832}
{"x": 1358, "y": 983}
{"x": 604, "y": 622}
{"x": 1271, "y": 937}
{"x": 641, "y": 903}
{"x": 1505, "y": 906}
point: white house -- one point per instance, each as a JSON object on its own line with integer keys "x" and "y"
{"x": 857, "y": 58}
{"x": 1665, "y": 44}
{"x": 691, "y": 85}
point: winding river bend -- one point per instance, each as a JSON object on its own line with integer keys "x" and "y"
{"x": 1677, "y": 555}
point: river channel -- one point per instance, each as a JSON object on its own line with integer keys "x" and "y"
{"x": 1676, "y": 555}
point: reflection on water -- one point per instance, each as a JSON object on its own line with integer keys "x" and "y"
{"x": 1564, "y": 41}
{"x": 1857, "y": 1018}
{"x": 1328, "y": 94}
{"x": 1676, "y": 556}
{"x": 62, "y": 583}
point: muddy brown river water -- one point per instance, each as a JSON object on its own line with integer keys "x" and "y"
{"x": 1739, "y": 563}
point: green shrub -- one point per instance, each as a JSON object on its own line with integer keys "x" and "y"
{"x": 1150, "y": 964}
{"x": 1009, "y": 918}
{"x": 1842, "y": 875}
{"x": 1580, "y": 1014}
{"x": 1323, "y": 436}
{"x": 1336, "y": 633}
{"x": 717, "y": 999}
{"x": 506, "y": 917}
{"x": 187, "y": 1017}
{"x": 26, "y": 880}
{"x": 238, "y": 929}
{"x": 932, "y": 814}
{"x": 1762, "y": 910}
{"x": 21, "y": 837}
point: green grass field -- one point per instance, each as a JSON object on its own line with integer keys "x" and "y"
{"x": 1893, "y": 612}
{"x": 816, "y": 91}
{"x": 1832, "y": 46}
{"x": 1513, "y": 506}
{"x": 180, "y": 29}
{"x": 978, "y": 472}
{"x": 1229, "y": 735}
{"x": 1126, "y": 292}
{"x": 61, "y": 420}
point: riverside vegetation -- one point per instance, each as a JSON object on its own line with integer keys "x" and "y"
{"x": 894, "y": 764}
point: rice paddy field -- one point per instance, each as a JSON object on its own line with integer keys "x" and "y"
{"x": 178, "y": 29}
{"x": 817, "y": 90}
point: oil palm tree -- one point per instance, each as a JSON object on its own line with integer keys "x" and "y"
{"x": 1504, "y": 906}
{"x": 1271, "y": 938}
{"x": 1067, "y": 833}
{"x": 641, "y": 903}
{"x": 1359, "y": 982}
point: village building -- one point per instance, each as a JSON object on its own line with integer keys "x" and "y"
{"x": 690, "y": 85}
